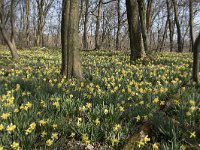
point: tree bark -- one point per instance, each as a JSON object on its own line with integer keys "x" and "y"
{"x": 10, "y": 42}
{"x": 164, "y": 36}
{"x": 118, "y": 25}
{"x": 149, "y": 14}
{"x": 40, "y": 20}
{"x": 195, "y": 74}
{"x": 136, "y": 45}
{"x": 43, "y": 9}
{"x": 170, "y": 25}
{"x": 179, "y": 36}
{"x": 85, "y": 44}
{"x": 142, "y": 14}
{"x": 71, "y": 66}
{"x": 98, "y": 19}
{"x": 27, "y": 32}
{"x": 191, "y": 22}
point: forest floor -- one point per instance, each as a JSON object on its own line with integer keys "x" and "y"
{"x": 152, "y": 104}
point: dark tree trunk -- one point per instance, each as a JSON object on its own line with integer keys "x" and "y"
{"x": 195, "y": 74}
{"x": 85, "y": 44}
{"x": 170, "y": 25}
{"x": 179, "y": 36}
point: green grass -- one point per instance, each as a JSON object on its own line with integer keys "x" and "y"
{"x": 150, "y": 103}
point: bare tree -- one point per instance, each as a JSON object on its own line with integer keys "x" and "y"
{"x": 43, "y": 8}
{"x": 179, "y": 36}
{"x": 4, "y": 14}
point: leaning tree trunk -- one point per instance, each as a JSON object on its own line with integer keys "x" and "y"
{"x": 196, "y": 59}
{"x": 149, "y": 14}
{"x": 136, "y": 44}
{"x": 10, "y": 44}
{"x": 71, "y": 66}
{"x": 9, "y": 41}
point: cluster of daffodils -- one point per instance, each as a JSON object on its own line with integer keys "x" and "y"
{"x": 38, "y": 106}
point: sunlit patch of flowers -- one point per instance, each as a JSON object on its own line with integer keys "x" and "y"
{"x": 39, "y": 108}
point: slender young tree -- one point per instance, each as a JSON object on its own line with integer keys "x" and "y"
{"x": 71, "y": 66}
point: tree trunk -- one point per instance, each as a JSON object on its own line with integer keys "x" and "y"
{"x": 195, "y": 74}
{"x": 71, "y": 66}
{"x": 85, "y": 44}
{"x": 191, "y": 25}
{"x": 43, "y": 9}
{"x": 27, "y": 32}
{"x": 10, "y": 42}
{"x": 118, "y": 25}
{"x": 170, "y": 25}
{"x": 40, "y": 5}
{"x": 149, "y": 14}
{"x": 99, "y": 15}
{"x": 136, "y": 45}
{"x": 164, "y": 36}
{"x": 179, "y": 37}
{"x": 12, "y": 22}
{"x": 11, "y": 46}
{"x": 142, "y": 14}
